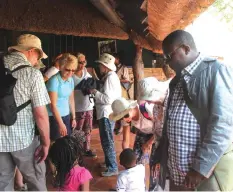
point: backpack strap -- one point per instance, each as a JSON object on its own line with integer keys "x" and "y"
{"x": 143, "y": 111}
{"x": 20, "y": 67}
{"x": 19, "y": 108}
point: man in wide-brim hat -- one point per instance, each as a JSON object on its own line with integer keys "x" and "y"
{"x": 104, "y": 98}
{"x": 19, "y": 145}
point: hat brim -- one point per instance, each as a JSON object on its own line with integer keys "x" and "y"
{"x": 113, "y": 68}
{"x": 115, "y": 117}
{"x": 155, "y": 96}
{"x": 40, "y": 65}
{"x": 25, "y": 48}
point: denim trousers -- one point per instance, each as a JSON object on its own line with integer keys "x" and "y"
{"x": 106, "y": 137}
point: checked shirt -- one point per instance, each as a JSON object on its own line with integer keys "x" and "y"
{"x": 183, "y": 130}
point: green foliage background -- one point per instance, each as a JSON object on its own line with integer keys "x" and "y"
{"x": 224, "y": 9}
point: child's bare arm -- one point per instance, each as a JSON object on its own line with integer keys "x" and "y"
{"x": 85, "y": 186}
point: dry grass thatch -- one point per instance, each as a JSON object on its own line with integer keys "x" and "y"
{"x": 148, "y": 42}
{"x": 165, "y": 16}
{"x": 73, "y": 17}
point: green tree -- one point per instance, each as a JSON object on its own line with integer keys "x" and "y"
{"x": 224, "y": 10}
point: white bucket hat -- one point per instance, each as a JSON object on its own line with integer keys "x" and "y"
{"x": 26, "y": 42}
{"x": 121, "y": 107}
{"x": 108, "y": 61}
{"x": 150, "y": 89}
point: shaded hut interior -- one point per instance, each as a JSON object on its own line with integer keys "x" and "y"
{"x": 78, "y": 25}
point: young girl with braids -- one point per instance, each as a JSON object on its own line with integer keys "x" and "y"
{"x": 66, "y": 155}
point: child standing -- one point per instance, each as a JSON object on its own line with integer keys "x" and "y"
{"x": 133, "y": 177}
{"x": 66, "y": 155}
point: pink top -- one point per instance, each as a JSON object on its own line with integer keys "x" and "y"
{"x": 77, "y": 176}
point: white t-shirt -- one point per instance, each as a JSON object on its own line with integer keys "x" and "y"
{"x": 82, "y": 102}
{"x": 51, "y": 72}
{"x": 132, "y": 179}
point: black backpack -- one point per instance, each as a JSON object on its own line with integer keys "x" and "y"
{"x": 8, "y": 107}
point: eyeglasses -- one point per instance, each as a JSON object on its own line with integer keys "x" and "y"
{"x": 82, "y": 62}
{"x": 168, "y": 57}
{"x": 70, "y": 70}
{"x": 126, "y": 116}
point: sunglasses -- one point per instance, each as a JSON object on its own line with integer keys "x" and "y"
{"x": 126, "y": 116}
{"x": 70, "y": 70}
{"x": 168, "y": 57}
{"x": 82, "y": 62}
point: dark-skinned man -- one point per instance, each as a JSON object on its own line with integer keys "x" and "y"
{"x": 198, "y": 129}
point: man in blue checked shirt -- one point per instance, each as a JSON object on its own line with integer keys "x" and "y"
{"x": 197, "y": 137}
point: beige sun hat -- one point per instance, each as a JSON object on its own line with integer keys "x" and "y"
{"x": 121, "y": 107}
{"x": 150, "y": 89}
{"x": 26, "y": 42}
{"x": 108, "y": 61}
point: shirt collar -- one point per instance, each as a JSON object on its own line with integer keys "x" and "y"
{"x": 60, "y": 78}
{"x": 192, "y": 67}
{"x": 17, "y": 59}
{"x": 16, "y": 53}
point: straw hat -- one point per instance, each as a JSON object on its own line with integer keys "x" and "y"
{"x": 26, "y": 42}
{"x": 121, "y": 107}
{"x": 150, "y": 89}
{"x": 108, "y": 61}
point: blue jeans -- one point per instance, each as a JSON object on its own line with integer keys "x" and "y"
{"x": 106, "y": 137}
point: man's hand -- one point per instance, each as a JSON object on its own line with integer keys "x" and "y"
{"x": 155, "y": 170}
{"x": 41, "y": 153}
{"x": 193, "y": 179}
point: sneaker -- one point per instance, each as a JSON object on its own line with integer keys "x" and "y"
{"x": 90, "y": 153}
{"x": 109, "y": 173}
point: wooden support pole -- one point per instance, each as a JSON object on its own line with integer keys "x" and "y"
{"x": 138, "y": 69}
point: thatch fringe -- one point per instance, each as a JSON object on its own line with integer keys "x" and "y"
{"x": 165, "y": 16}
{"x": 78, "y": 18}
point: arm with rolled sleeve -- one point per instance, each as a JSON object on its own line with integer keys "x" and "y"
{"x": 109, "y": 93}
{"x": 219, "y": 132}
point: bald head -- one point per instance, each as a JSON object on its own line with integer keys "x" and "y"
{"x": 179, "y": 50}
{"x": 180, "y": 37}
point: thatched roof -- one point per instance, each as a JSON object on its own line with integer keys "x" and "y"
{"x": 69, "y": 17}
{"x": 165, "y": 16}
{"x": 81, "y": 18}
{"x": 149, "y": 42}
{"x": 150, "y": 21}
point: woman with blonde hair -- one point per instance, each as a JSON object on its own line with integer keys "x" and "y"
{"x": 61, "y": 92}
{"x": 83, "y": 105}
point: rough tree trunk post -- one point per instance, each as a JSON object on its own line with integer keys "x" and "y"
{"x": 138, "y": 69}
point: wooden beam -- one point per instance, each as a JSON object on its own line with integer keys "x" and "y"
{"x": 106, "y": 9}
{"x": 138, "y": 69}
